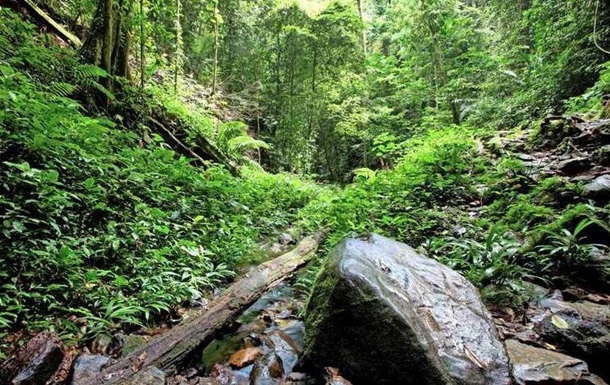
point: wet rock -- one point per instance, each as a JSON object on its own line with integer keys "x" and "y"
{"x": 285, "y": 348}
{"x": 244, "y": 357}
{"x": 147, "y": 376}
{"x": 222, "y": 375}
{"x": 257, "y": 326}
{"x": 297, "y": 377}
{"x": 87, "y": 366}
{"x": 599, "y": 189}
{"x": 574, "y": 166}
{"x": 334, "y": 378}
{"x": 286, "y": 239}
{"x": 268, "y": 370}
{"x": 100, "y": 344}
{"x": 533, "y": 365}
{"x": 581, "y": 329}
{"x": 36, "y": 362}
{"x": 295, "y": 330}
{"x": 116, "y": 344}
{"x": 383, "y": 314}
{"x": 190, "y": 373}
{"x": 593, "y": 134}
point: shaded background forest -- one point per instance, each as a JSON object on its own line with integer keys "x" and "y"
{"x": 332, "y": 89}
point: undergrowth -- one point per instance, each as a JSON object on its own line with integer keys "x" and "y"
{"x": 485, "y": 215}
{"x": 102, "y": 227}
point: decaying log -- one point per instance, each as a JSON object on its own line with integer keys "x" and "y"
{"x": 44, "y": 20}
{"x": 168, "y": 350}
{"x": 205, "y": 146}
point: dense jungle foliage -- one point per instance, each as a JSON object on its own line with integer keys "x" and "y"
{"x": 142, "y": 167}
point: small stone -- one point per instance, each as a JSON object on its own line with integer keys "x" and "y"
{"x": 244, "y": 357}
{"x": 267, "y": 371}
{"x": 587, "y": 335}
{"x": 533, "y": 365}
{"x": 222, "y": 374}
{"x": 206, "y": 381}
{"x": 87, "y": 366}
{"x": 285, "y": 239}
{"x": 599, "y": 189}
{"x": 191, "y": 373}
{"x": 603, "y": 155}
{"x": 100, "y": 344}
{"x": 297, "y": 377}
{"x": 334, "y": 378}
{"x": 179, "y": 380}
{"x": 116, "y": 344}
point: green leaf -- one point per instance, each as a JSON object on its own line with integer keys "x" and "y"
{"x": 198, "y": 218}
{"x": 559, "y": 322}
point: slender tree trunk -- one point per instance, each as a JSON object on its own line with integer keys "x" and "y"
{"x": 142, "y": 43}
{"x": 178, "y": 59}
{"x": 278, "y": 81}
{"x": 313, "y": 95}
{"x": 108, "y": 43}
{"x": 215, "y": 69}
{"x": 361, "y": 13}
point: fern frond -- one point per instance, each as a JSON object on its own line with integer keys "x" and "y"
{"x": 244, "y": 143}
{"x": 251, "y": 162}
{"x": 103, "y": 90}
{"x": 61, "y": 89}
{"x": 88, "y": 72}
{"x": 230, "y": 130}
{"x": 365, "y": 173}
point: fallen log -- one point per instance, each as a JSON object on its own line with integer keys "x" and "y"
{"x": 43, "y": 19}
{"x": 206, "y": 148}
{"x": 168, "y": 350}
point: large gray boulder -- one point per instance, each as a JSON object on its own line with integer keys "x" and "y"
{"x": 383, "y": 314}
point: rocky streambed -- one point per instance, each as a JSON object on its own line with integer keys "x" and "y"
{"x": 379, "y": 314}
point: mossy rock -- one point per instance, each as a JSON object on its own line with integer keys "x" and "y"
{"x": 382, "y": 314}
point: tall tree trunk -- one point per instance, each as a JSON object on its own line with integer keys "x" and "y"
{"x": 99, "y": 46}
{"x": 122, "y": 41}
{"x": 312, "y": 99}
{"x": 142, "y": 45}
{"x": 179, "y": 53}
{"x": 363, "y": 37}
{"x": 215, "y": 69}
{"x": 108, "y": 40}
